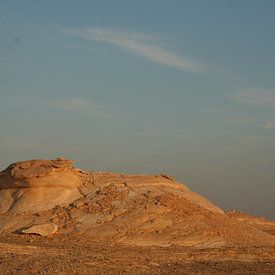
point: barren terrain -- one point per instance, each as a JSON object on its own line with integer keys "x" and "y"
{"x": 59, "y": 219}
{"x": 31, "y": 254}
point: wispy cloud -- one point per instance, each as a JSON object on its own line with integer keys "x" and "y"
{"x": 212, "y": 110}
{"x": 253, "y": 140}
{"x": 141, "y": 44}
{"x": 238, "y": 120}
{"x": 256, "y": 97}
{"x": 80, "y": 105}
{"x": 270, "y": 125}
{"x": 73, "y": 104}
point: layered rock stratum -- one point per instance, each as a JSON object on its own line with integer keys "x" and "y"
{"x": 127, "y": 209}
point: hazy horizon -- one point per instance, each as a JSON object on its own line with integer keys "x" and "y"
{"x": 185, "y": 88}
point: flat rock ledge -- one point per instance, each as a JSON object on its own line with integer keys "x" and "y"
{"x": 45, "y": 229}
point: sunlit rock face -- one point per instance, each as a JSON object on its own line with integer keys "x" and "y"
{"x": 129, "y": 209}
{"x": 36, "y": 185}
{"x": 39, "y": 173}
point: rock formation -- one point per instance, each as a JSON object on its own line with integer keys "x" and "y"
{"x": 127, "y": 209}
{"x": 38, "y": 185}
{"x": 44, "y": 229}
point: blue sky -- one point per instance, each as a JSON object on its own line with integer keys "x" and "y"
{"x": 179, "y": 87}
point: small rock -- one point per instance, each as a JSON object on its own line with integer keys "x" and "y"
{"x": 154, "y": 264}
{"x": 132, "y": 194}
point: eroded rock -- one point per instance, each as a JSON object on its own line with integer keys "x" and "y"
{"x": 40, "y": 173}
{"x": 37, "y": 185}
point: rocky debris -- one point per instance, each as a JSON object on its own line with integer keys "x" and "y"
{"x": 168, "y": 177}
{"x": 128, "y": 209}
{"x": 43, "y": 230}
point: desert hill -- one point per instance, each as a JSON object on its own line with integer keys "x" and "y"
{"x": 258, "y": 222}
{"x": 51, "y": 196}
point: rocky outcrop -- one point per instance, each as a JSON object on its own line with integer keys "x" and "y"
{"x": 127, "y": 209}
{"x": 37, "y": 185}
{"x": 40, "y": 173}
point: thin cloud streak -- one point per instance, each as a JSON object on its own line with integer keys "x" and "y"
{"x": 137, "y": 43}
{"x": 73, "y": 104}
{"x": 270, "y": 125}
{"x": 212, "y": 110}
{"x": 80, "y": 105}
{"x": 256, "y": 97}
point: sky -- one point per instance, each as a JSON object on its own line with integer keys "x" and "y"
{"x": 185, "y": 88}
